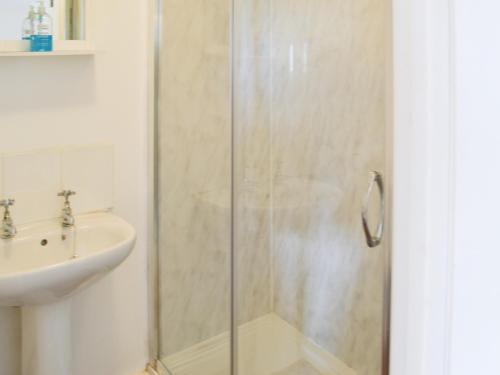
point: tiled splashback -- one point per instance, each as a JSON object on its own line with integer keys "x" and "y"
{"x": 33, "y": 179}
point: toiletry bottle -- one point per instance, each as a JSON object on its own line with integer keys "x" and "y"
{"x": 51, "y": 11}
{"x": 42, "y": 41}
{"x": 29, "y": 24}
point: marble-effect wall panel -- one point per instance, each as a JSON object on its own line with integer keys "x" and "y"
{"x": 252, "y": 152}
{"x": 194, "y": 146}
{"x": 328, "y": 124}
{"x": 195, "y": 178}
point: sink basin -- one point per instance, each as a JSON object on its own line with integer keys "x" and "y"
{"x": 43, "y": 266}
{"x": 46, "y": 263}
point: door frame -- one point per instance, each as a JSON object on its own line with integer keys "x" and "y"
{"x": 424, "y": 185}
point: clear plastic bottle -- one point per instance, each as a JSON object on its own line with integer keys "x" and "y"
{"x": 44, "y": 21}
{"x": 41, "y": 41}
{"x": 29, "y": 24}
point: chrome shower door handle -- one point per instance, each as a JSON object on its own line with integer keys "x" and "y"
{"x": 374, "y": 240}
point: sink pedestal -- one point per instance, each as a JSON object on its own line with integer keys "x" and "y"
{"x": 46, "y": 339}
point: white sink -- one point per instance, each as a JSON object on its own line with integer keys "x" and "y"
{"x": 43, "y": 266}
{"x": 32, "y": 273}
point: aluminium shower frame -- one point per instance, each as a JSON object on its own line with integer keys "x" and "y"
{"x": 155, "y": 23}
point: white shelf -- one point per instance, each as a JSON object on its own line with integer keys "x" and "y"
{"x": 20, "y": 48}
{"x": 46, "y": 54}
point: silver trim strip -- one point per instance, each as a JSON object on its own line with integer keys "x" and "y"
{"x": 234, "y": 204}
{"x": 153, "y": 260}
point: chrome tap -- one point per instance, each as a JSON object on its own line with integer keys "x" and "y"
{"x": 67, "y": 213}
{"x": 8, "y": 229}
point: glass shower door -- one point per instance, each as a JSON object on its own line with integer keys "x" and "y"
{"x": 309, "y": 127}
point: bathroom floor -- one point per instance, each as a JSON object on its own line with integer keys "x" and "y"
{"x": 299, "y": 368}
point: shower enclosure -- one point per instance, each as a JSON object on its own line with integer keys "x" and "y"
{"x": 271, "y": 143}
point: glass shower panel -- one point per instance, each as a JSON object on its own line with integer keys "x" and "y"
{"x": 309, "y": 127}
{"x": 194, "y": 187}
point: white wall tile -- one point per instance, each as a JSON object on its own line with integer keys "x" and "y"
{"x": 33, "y": 179}
{"x": 89, "y": 171}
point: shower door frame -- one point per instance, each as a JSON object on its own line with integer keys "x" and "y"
{"x": 155, "y": 26}
{"x": 423, "y": 143}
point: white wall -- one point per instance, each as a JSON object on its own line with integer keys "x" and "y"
{"x": 80, "y": 100}
{"x": 446, "y": 253}
{"x": 475, "y": 327}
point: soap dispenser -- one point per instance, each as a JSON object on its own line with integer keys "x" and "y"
{"x": 29, "y": 24}
{"x": 42, "y": 41}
